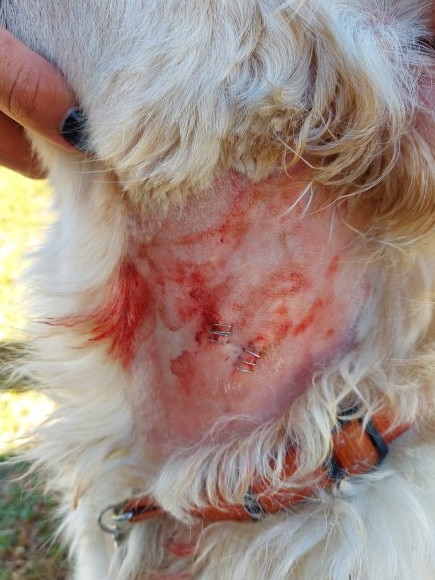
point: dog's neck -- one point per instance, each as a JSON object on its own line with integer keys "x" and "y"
{"x": 229, "y": 303}
{"x": 358, "y": 447}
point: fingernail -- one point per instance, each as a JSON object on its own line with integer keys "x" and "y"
{"x": 74, "y": 130}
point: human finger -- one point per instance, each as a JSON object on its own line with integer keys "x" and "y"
{"x": 32, "y": 91}
{"x": 15, "y": 151}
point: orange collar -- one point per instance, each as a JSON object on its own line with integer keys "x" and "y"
{"x": 357, "y": 449}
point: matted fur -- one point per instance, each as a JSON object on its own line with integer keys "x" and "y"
{"x": 178, "y": 93}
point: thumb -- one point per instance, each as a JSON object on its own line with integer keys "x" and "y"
{"x": 32, "y": 91}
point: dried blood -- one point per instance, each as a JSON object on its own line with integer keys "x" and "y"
{"x": 124, "y": 312}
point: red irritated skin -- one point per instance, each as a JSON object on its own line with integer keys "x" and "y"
{"x": 225, "y": 306}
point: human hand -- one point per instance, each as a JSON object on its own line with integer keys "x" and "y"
{"x": 33, "y": 94}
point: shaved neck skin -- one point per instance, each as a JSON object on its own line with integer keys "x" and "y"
{"x": 251, "y": 262}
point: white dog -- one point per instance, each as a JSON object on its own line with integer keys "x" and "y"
{"x": 233, "y": 313}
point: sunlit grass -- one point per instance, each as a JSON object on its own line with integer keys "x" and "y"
{"x": 24, "y": 213}
{"x": 26, "y": 548}
{"x": 19, "y": 414}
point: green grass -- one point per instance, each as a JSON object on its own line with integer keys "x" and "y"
{"x": 27, "y": 551}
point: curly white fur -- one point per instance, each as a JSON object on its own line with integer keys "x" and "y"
{"x": 178, "y": 93}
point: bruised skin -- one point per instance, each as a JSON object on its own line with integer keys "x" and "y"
{"x": 238, "y": 259}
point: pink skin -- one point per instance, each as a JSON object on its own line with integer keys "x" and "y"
{"x": 234, "y": 255}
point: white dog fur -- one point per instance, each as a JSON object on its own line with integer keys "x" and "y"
{"x": 178, "y": 94}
